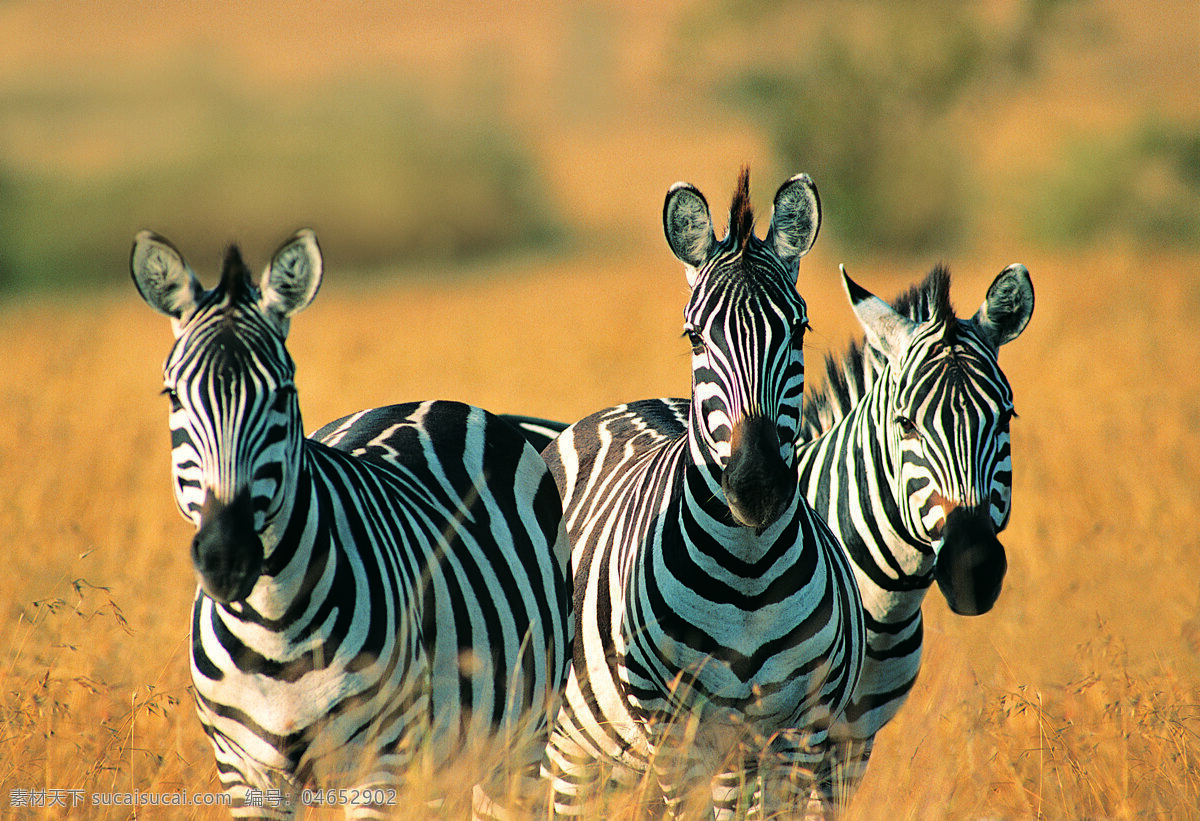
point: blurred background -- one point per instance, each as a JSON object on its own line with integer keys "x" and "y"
{"x": 413, "y": 135}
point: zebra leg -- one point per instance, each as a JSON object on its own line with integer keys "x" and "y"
{"x": 685, "y": 783}
{"x": 841, "y": 771}
{"x": 686, "y": 767}
{"x": 368, "y": 808}
{"x": 789, "y": 770}
{"x": 572, "y": 769}
{"x": 261, "y": 804}
{"x": 366, "y": 781}
{"x": 524, "y": 797}
{"x": 378, "y": 783}
{"x": 516, "y": 789}
{"x": 735, "y": 791}
{"x": 263, "y": 791}
{"x": 257, "y": 790}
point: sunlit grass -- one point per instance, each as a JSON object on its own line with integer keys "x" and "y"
{"x": 1076, "y": 697}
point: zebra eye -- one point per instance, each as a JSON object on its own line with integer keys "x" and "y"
{"x": 694, "y": 339}
{"x": 173, "y": 398}
{"x": 908, "y": 428}
{"x": 798, "y": 331}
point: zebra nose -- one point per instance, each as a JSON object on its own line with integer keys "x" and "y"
{"x": 226, "y": 551}
{"x": 971, "y": 562}
{"x": 757, "y": 482}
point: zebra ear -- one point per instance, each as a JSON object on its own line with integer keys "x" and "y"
{"x": 292, "y": 279}
{"x": 162, "y": 277}
{"x": 688, "y": 225}
{"x": 1008, "y": 306}
{"x": 796, "y": 219}
{"x": 887, "y": 330}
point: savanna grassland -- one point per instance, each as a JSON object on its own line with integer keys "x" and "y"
{"x": 1078, "y": 696}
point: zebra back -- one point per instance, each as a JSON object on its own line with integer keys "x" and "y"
{"x": 538, "y": 431}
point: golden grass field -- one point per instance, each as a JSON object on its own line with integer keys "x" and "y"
{"x": 1078, "y": 696}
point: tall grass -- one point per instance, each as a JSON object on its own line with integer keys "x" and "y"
{"x": 70, "y": 727}
{"x": 1117, "y": 740}
{"x": 1040, "y": 709}
{"x": 1113, "y": 742}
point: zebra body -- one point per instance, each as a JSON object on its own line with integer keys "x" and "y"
{"x": 719, "y": 628}
{"x": 375, "y": 598}
{"x": 905, "y": 452}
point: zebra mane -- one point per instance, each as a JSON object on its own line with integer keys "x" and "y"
{"x": 236, "y": 281}
{"x": 741, "y": 213}
{"x": 848, "y": 377}
{"x": 930, "y": 300}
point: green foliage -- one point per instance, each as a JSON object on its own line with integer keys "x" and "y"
{"x": 1144, "y": 184}
{"x": 383, "y": 174}
{"x": 872, "y": 106}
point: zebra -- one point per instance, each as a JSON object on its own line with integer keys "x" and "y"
{"x": 904, "y": 450}
{"x": 376, "y": 598}
{"x": 719, "y": 627}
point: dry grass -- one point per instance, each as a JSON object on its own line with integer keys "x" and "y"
{"x": 1076, "y": 697}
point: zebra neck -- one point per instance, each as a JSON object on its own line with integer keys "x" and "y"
{"x": 707, "y": 525}
{"x": 298, "y": 550}
{"x": 701, "y": 480}
{"x": 883, "y": 546}
{"x": 847, "y": 474}
{"x": 876, "y": 451}
{"x": 702, "y": 493}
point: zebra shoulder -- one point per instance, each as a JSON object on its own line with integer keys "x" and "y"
{"x": 610, "y": 442}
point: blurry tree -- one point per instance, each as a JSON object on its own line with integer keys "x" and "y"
{"x": 1144, "y": 184}
{"x": 384, "y": 173}
{"x": 867, "y": 104}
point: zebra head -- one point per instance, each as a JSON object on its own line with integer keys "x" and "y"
{"x": 234, "y": 417}
{"x": 746, "y": 323}
{"x": 946, "y": 423}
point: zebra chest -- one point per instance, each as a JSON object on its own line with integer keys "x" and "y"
{"x": 297, "y": 713}
{"x": 289, "y": 684}
{"x": 767, "y": 694}
{"x": 703, "y": 639}
{"x": 292, "y": 707}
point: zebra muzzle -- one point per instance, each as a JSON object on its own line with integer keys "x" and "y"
{"x": 757, "y": 482}
{"x": 971, "y": 562}
{"x": 226, "y": 550}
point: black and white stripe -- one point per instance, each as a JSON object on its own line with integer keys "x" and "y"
{"x": 720, "y": 631}
{"x": 905, "y": 452}
{"x": 393, "y": 588}
{"x": 906, "y": 455}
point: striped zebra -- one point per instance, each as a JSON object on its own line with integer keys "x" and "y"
{"x": 905, "y": 452}
{"x": 720, "y": 630}
{"x": 378, "y": 597}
